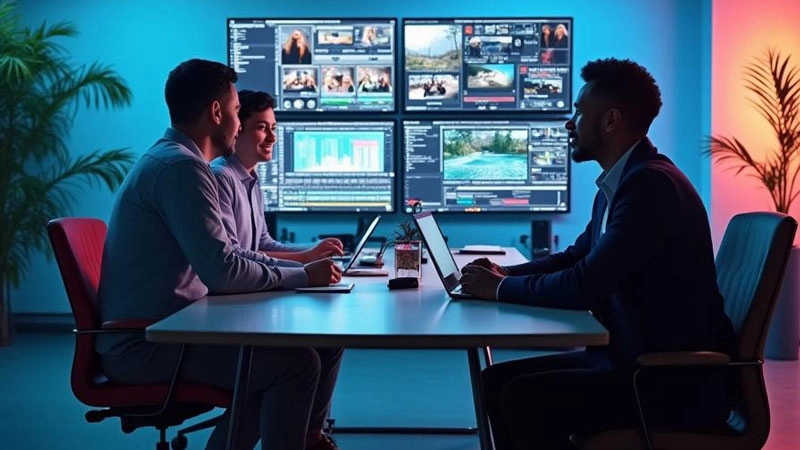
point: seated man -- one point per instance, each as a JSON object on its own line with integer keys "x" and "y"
{"x": 166, "y": 247}
{"x": 240, "y": 197}
{"x": 644, "y": 266}
{"x": 241, "y": 204}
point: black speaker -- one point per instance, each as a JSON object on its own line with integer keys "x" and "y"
{"x": 541, "y": 238}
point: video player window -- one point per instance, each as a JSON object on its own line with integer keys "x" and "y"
{"x": 486, "y": 166}
{"x": 330, "y": 166}
{"x": 509, "y": 65}
{"x": 316, "y": 65}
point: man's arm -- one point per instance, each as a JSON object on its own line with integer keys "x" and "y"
{"x": 227, "y": 203}
{"x": 643, "y": 218}
{"x": 186, "y": 194}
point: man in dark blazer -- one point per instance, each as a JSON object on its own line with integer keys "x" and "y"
{"x": 645, "y": 268}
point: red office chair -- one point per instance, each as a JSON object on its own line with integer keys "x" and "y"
{"x": 78, "y": 247}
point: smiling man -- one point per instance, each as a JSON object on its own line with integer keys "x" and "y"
{"x": 644, "y": 266}
{"x": 242, "y": 204}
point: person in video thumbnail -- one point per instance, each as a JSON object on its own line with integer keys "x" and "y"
{"x": 562, "y": 36}
{"x": 546, "y": 36}
{"x": 370, "y": 36}
{"x": 475, "y": 45}
{"x": 367, "y": 84}
{"x": 383, "y": 84}
{"x": 295, "y": 49}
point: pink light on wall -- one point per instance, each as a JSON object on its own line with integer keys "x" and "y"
{"x": 741, "y": 30}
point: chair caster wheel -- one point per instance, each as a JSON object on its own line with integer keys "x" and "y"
{"x": 180, "y": 442}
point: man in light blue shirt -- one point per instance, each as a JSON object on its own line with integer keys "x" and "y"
{"x": 240, "y": 197}
{"x": 166, "y": 247}
{"x": 241, "y": 204}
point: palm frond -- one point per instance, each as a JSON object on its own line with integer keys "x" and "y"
{"x": 40, "y": 93}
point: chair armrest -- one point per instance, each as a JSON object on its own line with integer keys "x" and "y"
{"x": 119, "y": 326}
{"x": 683, "y": 359}
{"x": 130, "y": 324}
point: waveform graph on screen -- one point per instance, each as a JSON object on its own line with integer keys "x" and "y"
{"x": 339, "y": 152}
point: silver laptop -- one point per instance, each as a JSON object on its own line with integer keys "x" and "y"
{"x": 349, "y": 270}
{"x": 440, "y": 254}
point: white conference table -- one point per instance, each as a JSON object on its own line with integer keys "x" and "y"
{"x": 371, "y": 316}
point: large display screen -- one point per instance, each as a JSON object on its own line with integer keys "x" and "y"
{"x": 514, "y": 64}
{"x": 316, "y": 65}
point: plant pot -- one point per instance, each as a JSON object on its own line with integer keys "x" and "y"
{"x": 784, "y": 330}
{"x": 6, "y": 319}
{"x": 408, "y": 259}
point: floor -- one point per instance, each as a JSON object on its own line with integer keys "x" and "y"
{"x": 388, "y": 388}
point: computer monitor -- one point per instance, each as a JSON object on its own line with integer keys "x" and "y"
{"x": 486, "y": 166}
{"x": 330, "y": 166}
{"x": 509, "y": 65}
{"x": 316, "y": 65}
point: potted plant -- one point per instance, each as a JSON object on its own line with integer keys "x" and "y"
{"x": 775, "y": 84}
{"x": 40, "y": 93}
{"x": 407, "y": 245}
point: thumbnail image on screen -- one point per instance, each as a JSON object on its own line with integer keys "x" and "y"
{"x": 316, "y": 65}
{"x": 488, "y": 64}
{"x": 474, "y": 166}
{"x": 330, "y": 166}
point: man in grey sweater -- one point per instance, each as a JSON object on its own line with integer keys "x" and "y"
{"x": 166, "y": 247}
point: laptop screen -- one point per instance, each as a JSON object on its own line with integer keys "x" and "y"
{"x": 437, "y": 247}
{"x": 362, "y": 242}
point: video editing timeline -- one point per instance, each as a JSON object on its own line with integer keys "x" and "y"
{"x": 488, "y": 64}
{"x": 316, "y": 65}
{"x": 474, "y": 166}
{"x": 330, "y": 166}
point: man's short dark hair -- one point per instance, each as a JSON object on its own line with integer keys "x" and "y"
{"x": 628, "y": 86}
{"x": 253, "y": 102}
{"x": 193, "y": 85}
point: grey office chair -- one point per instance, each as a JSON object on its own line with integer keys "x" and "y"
{"x": 751, "y": 264}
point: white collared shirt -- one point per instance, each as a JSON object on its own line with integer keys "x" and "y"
{"x": 608, "y": 182}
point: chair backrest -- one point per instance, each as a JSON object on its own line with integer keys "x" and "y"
{"x": 78, "y": 248}
{"x": 751, "y": 263}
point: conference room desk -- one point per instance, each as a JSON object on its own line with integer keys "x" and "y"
{"x": 371, "y": 316}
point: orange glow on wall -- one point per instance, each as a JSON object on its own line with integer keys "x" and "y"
{"x": 742, "y": 29}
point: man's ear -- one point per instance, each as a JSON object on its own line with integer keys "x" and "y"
{"x": 216, "y": 112}
{"x": 612, "y": 120}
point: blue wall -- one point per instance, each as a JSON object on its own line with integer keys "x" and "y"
{"x": 144, "y": 40}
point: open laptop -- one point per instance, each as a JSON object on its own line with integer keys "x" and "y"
{"x": 349, "y": 270}
{"x": 440, "y": 254}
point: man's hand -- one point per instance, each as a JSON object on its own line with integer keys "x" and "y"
{"x": 480, "y": 281}
{"x": 485, "y": 263}
{"x": 323, "y": 272}
{"x": 326, "y": 248}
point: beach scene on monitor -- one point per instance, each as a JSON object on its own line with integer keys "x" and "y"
{"x": 497, "y": 154}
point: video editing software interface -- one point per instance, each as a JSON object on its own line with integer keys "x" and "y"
{"x": 474, "y": 166}
{"x": 316, "y": 65}
{"x": 330, "y": 166}
{"x": 509, "y": 64}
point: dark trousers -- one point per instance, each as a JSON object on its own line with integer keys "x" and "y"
{"x": 289, "y": 390}
{"x": 536, "y": 403}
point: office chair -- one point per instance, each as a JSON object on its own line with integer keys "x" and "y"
{"x": 751, "y": 264}
{"x": 78, "y": 247}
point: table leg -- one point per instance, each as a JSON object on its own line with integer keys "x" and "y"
{"x": 482, "y": 420}
{"x": 239, "y": 394}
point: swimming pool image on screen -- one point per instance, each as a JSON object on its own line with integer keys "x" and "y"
{"x": 341, "y": 151}
{"x": 485, "y": 154}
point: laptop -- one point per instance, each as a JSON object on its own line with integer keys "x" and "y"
{"x": 349, "y": 270}
{"x": 440, "y": 254}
